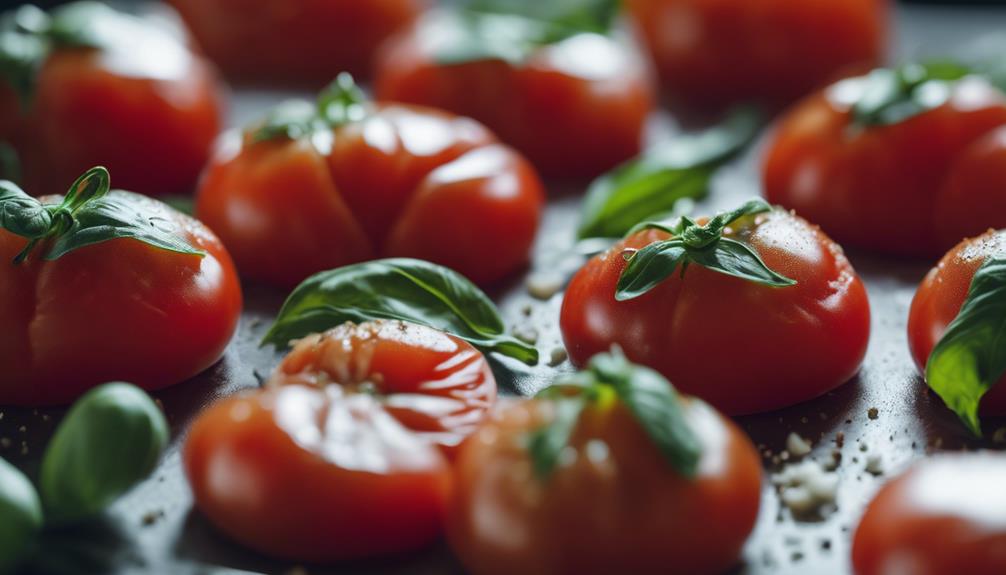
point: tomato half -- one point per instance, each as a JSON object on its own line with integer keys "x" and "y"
{"x": 940, "y": 297}
{"x": 741, "y": 346}
{"x": 616, "y": 507}
{"x": 575, "y": 109}
{"x": 715, "y": 53}
{"x": 303, "y": 42}
{"x": 913, "y": 188}
{"x": 403, "y": 181}
{"x": 946, "y": 515}
{"x": 117, "y": 310}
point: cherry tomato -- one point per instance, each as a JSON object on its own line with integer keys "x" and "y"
{"x": 403, "y": 181}
{"x": 617, "y": 507}
{"x": 940, "y": 297}
{"x": 945, "y": 515}
{"x": 575, "y": 108}
{"x": 741, "y": 346}
{"x": 141, "y": 105}
{"x": 715, "y": 53}
{"x": 340, "y": 456}
{"x": 913, "y": 188}
{"x": 117, "y": 310}
{"x": 304, "y": 42}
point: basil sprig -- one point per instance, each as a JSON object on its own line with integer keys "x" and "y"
{"x": 341, "y": 103}
{"x": 399, "y": 289}
{"x": 610, "y": 377}
{"x": 891, "y": 96}
{"x": 20, "y": 516}
{"x": 656, "y": 181}
{"x": 971, "y": 356}
{"x": 697, "y": 244}
{"x": 89, "y": 214}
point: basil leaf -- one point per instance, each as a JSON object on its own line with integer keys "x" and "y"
{"x": 110, "y": 440}
{"x": 893, "y": 96}
{"x": 91, "y": 185}
{"x": 341, "y": 103}
{"x": 20, "y": 516}
{"x": 656, "y": 181}
{"x": 971, "y": 356}
{"x": 22, "y": 214}
{"x": 399, "y": 289}
{"x": 648, "y": 267}
{"x": 546, "y": 445}
{"x": 290, "y": 120}
{"x": 120, "y": 215}
{"x": 596, "y": 16}
{"x": 736, "y": 259}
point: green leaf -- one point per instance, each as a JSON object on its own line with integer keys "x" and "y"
{"x": 733, "y": 258}
{"x": 85, "y": 24}
{"x": 893, "y": 96}
{"x": 341, "y": 103}
{"x": 649, "y": 267}
{"x": 399, "y": 289}
{"x": 91, "y": 185}
{"x": 22, "y": 214}
{"x": 696, "y": 236}
{"x": 546, "y": 444}
{"x": 110, "y": 440}
{"x": 971, "y": 356}
{"x": 290, "y": 120}
{"x": 656, "y": 181}
{"x": 20, "y": 516}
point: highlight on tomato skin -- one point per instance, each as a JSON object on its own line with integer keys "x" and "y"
{"x": 944, "y": 515}
{"x": 742, "y": 346}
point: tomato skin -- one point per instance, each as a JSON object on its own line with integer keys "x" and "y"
{"x": 937, "y": 519}
{"x": 625, "y": 511}
{"x": 743, "y": 347}
{"x": 575, "y": 109}
{"x": 939, "y": 298}
{"x": 405, "y": 181}
{"x": 118, "y": 310}
{"x": 712, "y": 54}
{"x": 905, "y": 189}
{"x": 305, "y": 42}
{"x": 273, "y": 470}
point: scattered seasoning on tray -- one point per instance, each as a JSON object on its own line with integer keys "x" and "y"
{"x": 840, "y": 439}
{"x": 797, "y": 446}
{"x": 875, "y": 464}
{"x": 873, "y": 413}
{"x": 544, "y": 285}
{"x": 557, "y": 356}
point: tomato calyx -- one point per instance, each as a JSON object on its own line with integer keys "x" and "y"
{"x": 341, "y": 103}
{"x": 87, "y": 215}
{"x": 891, "y": 96}
{"x": 701, "y": 244}
{"x": 609, "y": 379}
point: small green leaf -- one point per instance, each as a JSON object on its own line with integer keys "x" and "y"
{"x": 970, "y": 358}
{"x": 290, "y": 120}
{"x": 892, "y": 96}
{"x": 546, "y": 444}
{"x": 20, "y": 516}
{"x": 110, "y": 440}
{"x": 696, "y": 236}
{"x": 84, "y": 24}
{"x": 399, "y": 289}
{"x": 736, "y": 259}
{"x": 655, "y": 182}
{"x": 342, "y": 102}
{"x": 649, "y": 267}
{"x": 91, "y": 185}
{"x": 21, "y": 214}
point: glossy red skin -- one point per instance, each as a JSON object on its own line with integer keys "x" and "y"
{"x": 571, "y": 120}
{"x": 627, "y": 511}
{"x": 435, "y": 384}
{"x": 940, "y": 297}
{"x": 712, "y": 54}
{"x": 741, "y": 346}
{"x": 405, "y": 181}
{"x": 944, "y": 516}
{"x": 120, "y": 310}
{"x": 304, "y": 42}
{"x": 912, "y": 189}
{"x": 152, "y": 127}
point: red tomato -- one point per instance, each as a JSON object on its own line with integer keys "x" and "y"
{"x": 944, "y": 516}
{"x": 144, "y": 107}
{"x": 403, "y": 181}
{"x": 339, "y": 457}
{"x": 618, "y": 507}
{"x": 302, "y": 42}
{"x": 715, "y": 53}
{"x": 940, "y": 297}
{"x": 117, "y": 310}
{"x": 575, "y": 109}
{"x": 913, "y": 188}
{"x": 741, "y": 346}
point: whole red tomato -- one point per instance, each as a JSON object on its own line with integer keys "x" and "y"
{"x": 303, "y": 42}
{"x": 742, "y": 346}
{"x": 945, "y": 515}
{"x": 135, "y": 100}
{"x": 714, "y": 53}
{"x": 914, "y": 187}
{"x": 613, "y": 504}
{"x": 121, "y": 309}
{"x": 397, "y": 181}
{"x": 575, "y": 108}
{"x": 340, "y": 456}
{"x": 940, "y": 297}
